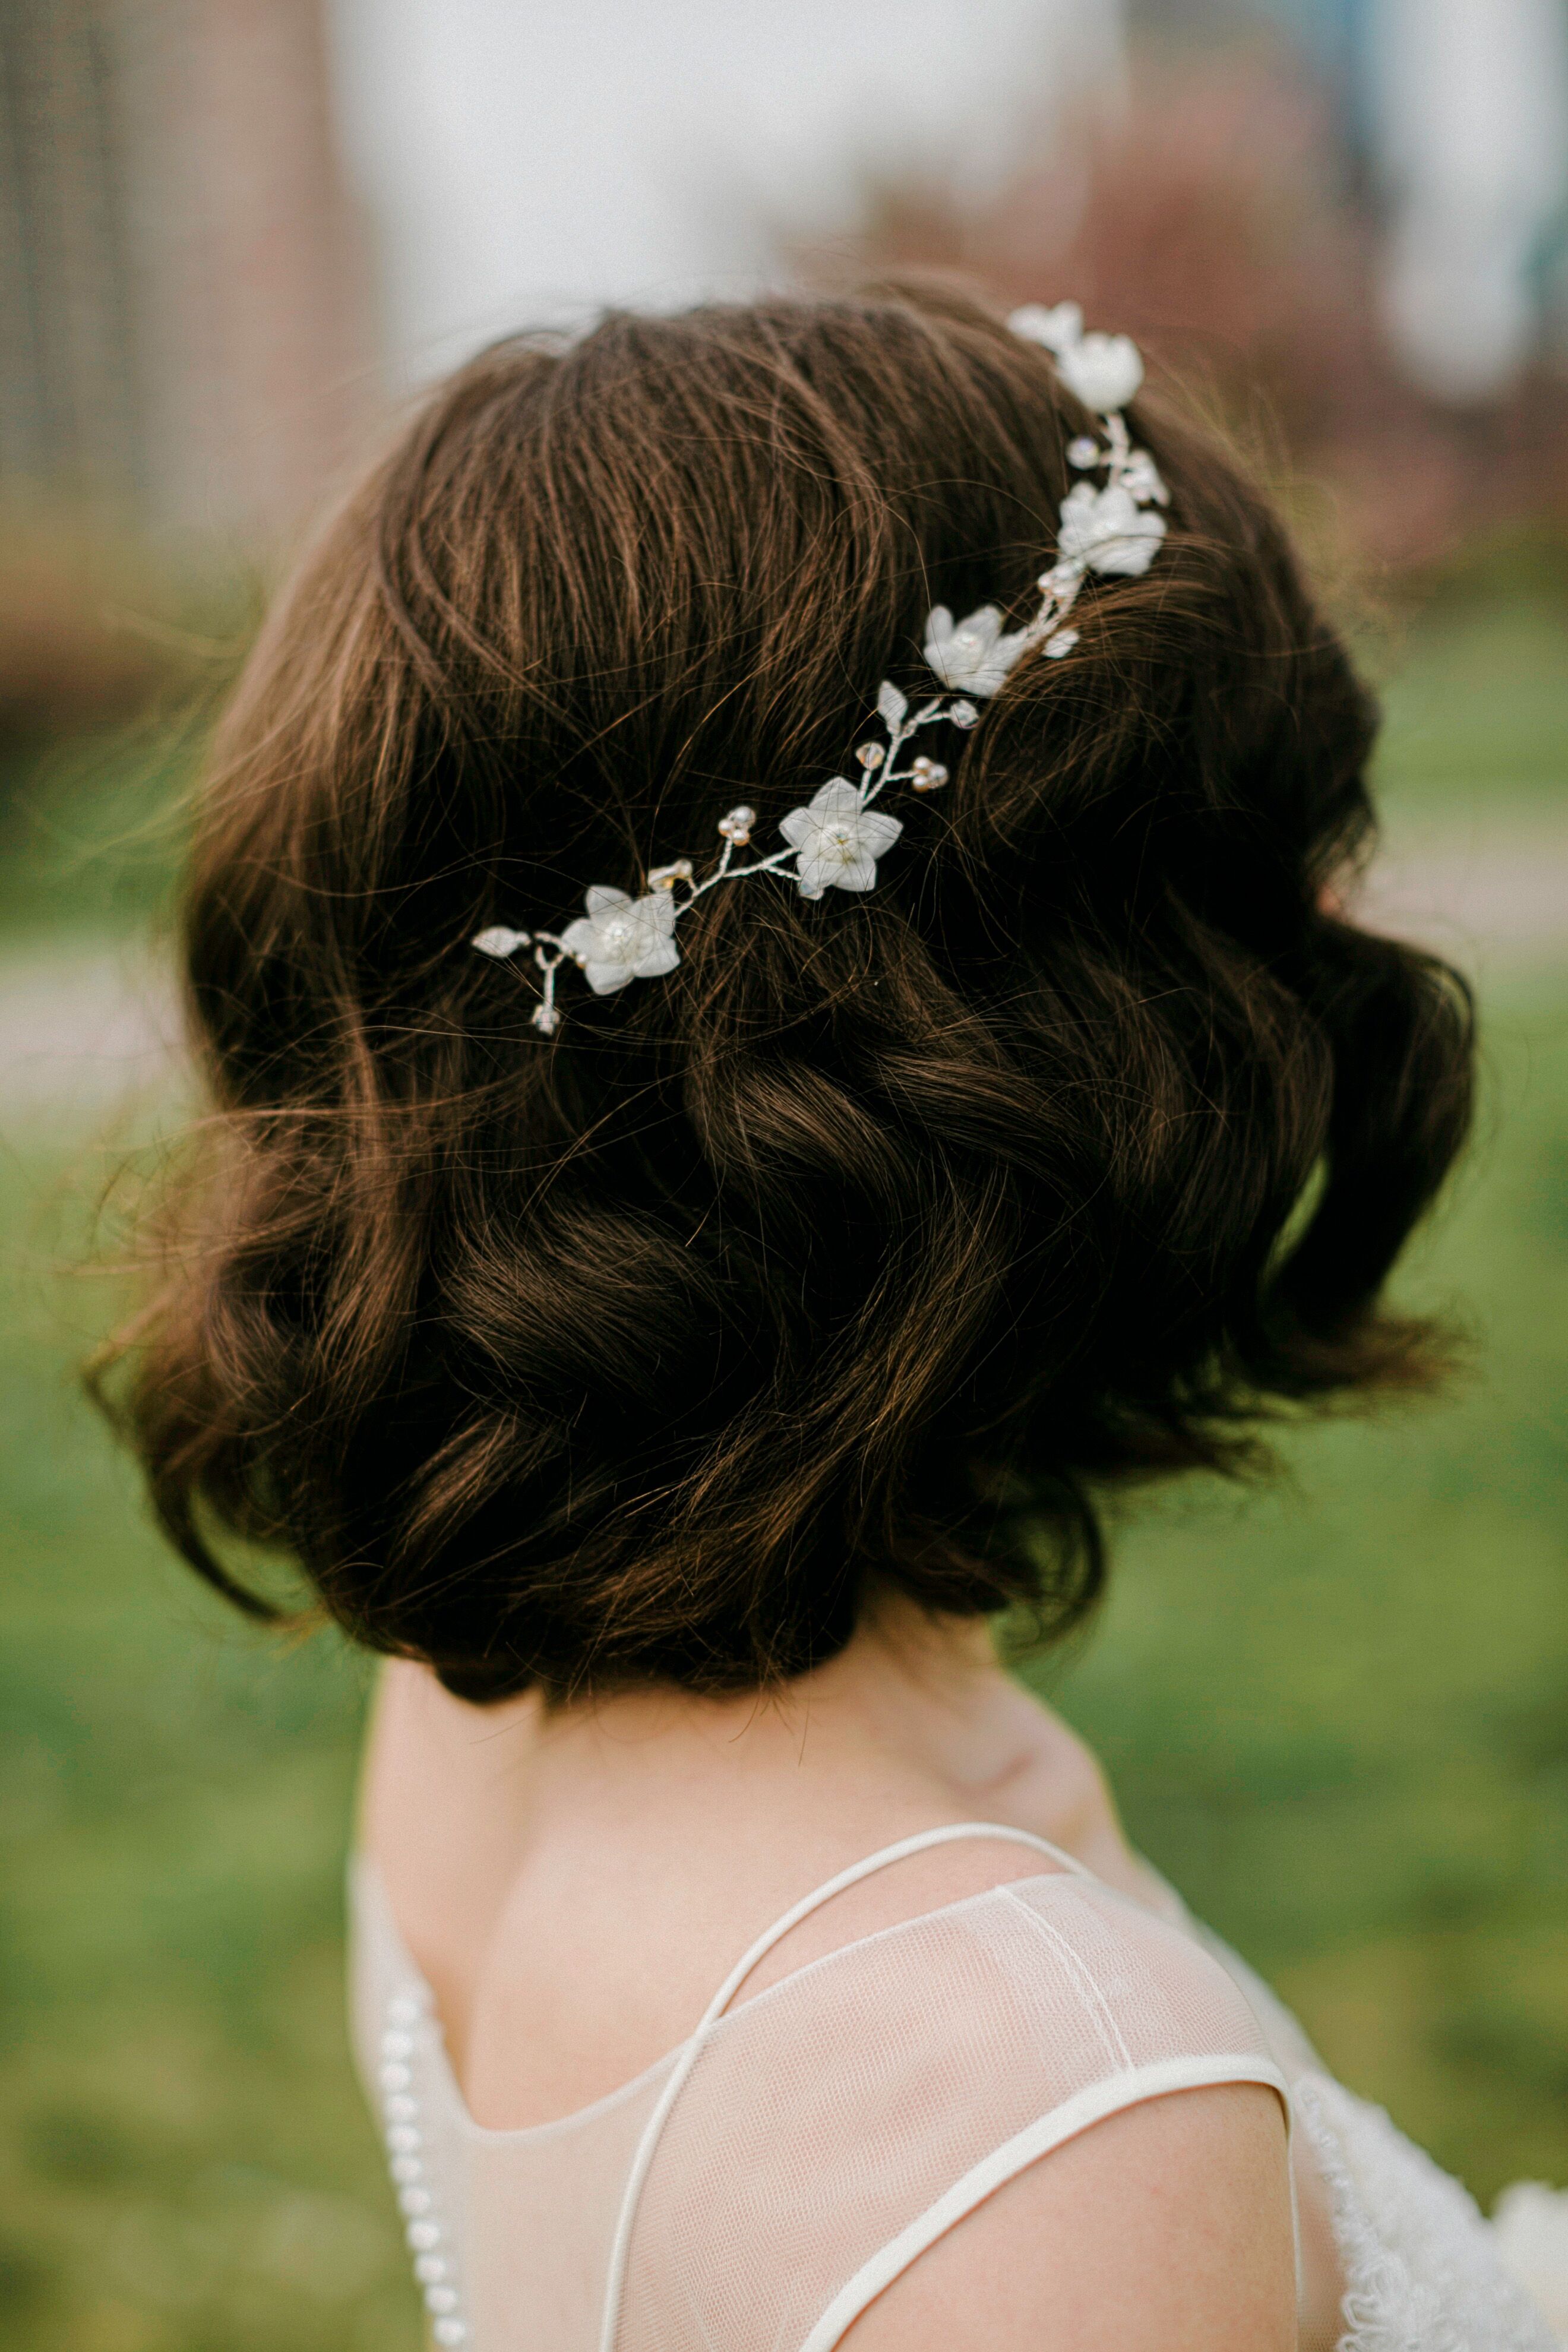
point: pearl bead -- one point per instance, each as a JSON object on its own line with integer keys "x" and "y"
{"x": 404, "y": 2138}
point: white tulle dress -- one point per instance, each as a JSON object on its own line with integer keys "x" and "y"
{"x": 758, "y": 2186}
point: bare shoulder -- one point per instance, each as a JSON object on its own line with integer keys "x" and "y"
{"x": 1165, "y": 2228}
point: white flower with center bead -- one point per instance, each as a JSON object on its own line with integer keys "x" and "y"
{"x": 837, "y": 840}
{"x": 623, "y": 938}
{"x": 1108, "y": 530}
{"x": 971, "y": 656}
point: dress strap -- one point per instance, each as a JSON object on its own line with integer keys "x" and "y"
{"x": 950, "y": 1833}
{"x": 947, "y": 1834}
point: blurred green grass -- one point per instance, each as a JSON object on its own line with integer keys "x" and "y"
{"x": 1336, "y": 1711}
{"x": 1474, "y": 704}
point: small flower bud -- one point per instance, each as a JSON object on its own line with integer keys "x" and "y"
{"x": 871, "y": 755}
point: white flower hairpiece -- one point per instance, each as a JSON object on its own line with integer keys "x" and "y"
{"x": 835, "y": 841}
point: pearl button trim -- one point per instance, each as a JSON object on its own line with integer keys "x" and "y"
{"x": 409, "y": 2027}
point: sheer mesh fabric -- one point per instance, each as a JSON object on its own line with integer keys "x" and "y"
{"x": 527, "y": 2217}
{"x": 753, "y": 2190}
{"x": 827, "y": 2119}
{"x": 822, "y": 2125}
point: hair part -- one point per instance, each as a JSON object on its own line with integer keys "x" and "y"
{"x": 873, "y": 1246}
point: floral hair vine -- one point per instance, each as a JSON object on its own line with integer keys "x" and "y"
{"x": 835, "y": 841}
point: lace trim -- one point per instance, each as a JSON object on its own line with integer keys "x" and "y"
{"x": 1422, "y": 2271}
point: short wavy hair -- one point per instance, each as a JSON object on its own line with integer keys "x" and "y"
{"x": 875, "y": 1245}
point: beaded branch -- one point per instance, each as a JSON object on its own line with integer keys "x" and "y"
{"x": 835, "y": 840}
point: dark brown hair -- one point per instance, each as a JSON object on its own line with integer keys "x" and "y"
{"x": 870, "y": 1247}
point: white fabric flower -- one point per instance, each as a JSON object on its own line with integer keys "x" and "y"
{"x": 839, "y": 840}
{"x": 623, "y": 938}
{"x": 1109, "y": 531}
{"x": 1104, "y": 371}
{"x": 1058, "y": 329}
{"x": 972, "y": 655}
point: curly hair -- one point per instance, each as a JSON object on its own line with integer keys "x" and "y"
{"x": 875, "y": 1245}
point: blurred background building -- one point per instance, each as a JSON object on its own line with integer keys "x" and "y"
{"x": 233, "y": 231}
{"x": 183, "y": 274}
{"x": 229, "y": 227}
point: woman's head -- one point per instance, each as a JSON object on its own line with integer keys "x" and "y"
{"x": 870, "y": 1247}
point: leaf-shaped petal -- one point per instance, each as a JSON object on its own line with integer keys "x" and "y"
{"x": 878, "y": 832}
{"x": 836, "y": 800}
{"x": 661, "y": 956}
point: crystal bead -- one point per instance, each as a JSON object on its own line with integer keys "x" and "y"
{"x": 871, "y": 755}
{"x": 430, "y": 2270}
{"x": 423, "y": 2236}
{"x": 403, "y": 2139}
{"x": 1084, "y": 451}
{"x": 414, "y": 2201}
{"x": 402, "y": 2109}
{"x": 406, "y": 2169}
{"x": 927, "y": 775}
{"x": 737, "y": 822}
{"x": 449, "y": 2333}
{"x": 440, "y": 2299}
